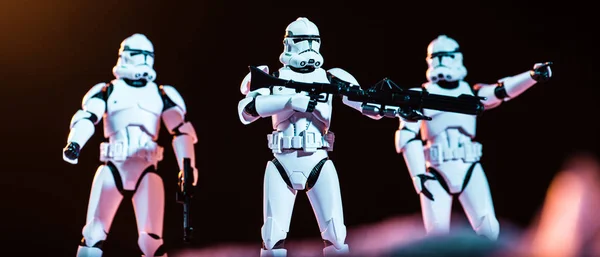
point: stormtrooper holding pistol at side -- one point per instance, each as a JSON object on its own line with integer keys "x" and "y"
{"x": 448, "y": 164}
{"x": 132, "y": 106}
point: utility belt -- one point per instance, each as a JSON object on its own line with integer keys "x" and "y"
{"x": 307, "y": 141}
{"x": 469, "y": 152}
{"x": 120, "y": 151}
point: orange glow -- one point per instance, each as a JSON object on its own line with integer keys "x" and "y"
{"x": 568, "y": 218}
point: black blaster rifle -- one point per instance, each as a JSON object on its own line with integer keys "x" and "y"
{"x": 184, "y": 197}
{"x": 387, "y": 93}
{"x": 384, "y": 93}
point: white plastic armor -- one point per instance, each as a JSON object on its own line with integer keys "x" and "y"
{"x": 132, "y": 106}
{"x": 444, "y": 60}
{"x": 300, "y": 142}
{"x": 136, "y": 59}
{"x": 301, "y": 45}
{"x": 448, "y": 164}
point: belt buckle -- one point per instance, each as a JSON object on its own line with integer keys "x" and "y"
{"x": 309, "y": 142}
{"x": 436, "y": 156}
{"x": 118, "y": 151}
{"x": 104, "y": 152}
{"x": 468, "y": 152}
{"x": 275, "y": 142}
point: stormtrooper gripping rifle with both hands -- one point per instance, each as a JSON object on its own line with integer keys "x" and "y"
{"x": 300, "y": 142}
{"x": 132, "y": 106}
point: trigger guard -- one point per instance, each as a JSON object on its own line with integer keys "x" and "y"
{"x": 323, "y": 99}
{"x": 319, "y": 98}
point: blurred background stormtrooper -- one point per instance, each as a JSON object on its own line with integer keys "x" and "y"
{"x": 132, "y": 106}
{"x": 299, "y": 142}
{"x": 448, "y": 165}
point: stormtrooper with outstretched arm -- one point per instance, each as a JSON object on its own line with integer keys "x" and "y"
{"x": 132, "y": 106}
{"x": 300, "y": 142}
{"x": 448, "y": 165}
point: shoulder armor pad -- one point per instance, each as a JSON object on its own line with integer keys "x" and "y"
{"x": 172, "y": 93}
{"x": 245, "y": 86}
{"x": 343, "y": 75}
{"x": 95, "y": 91}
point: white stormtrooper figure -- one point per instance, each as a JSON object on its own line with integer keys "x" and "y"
{"x": 448, "y": 165}
{"x": 299, "y": 142}
{"x": 132, "y": 106}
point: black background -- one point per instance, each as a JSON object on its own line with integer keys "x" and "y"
{"x": 52, "y": 52}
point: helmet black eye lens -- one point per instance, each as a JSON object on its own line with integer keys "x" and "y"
{"x": 310, "y": 39}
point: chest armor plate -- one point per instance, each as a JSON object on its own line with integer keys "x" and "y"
{"x": 133, "y": 106}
